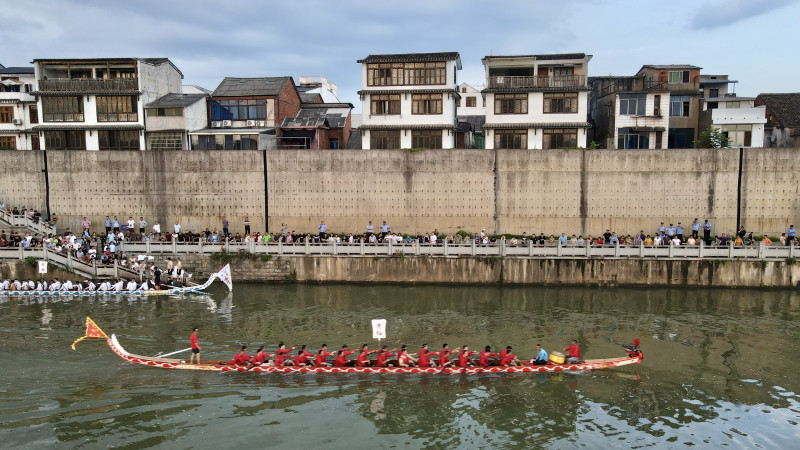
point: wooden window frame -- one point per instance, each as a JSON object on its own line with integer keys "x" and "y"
{"x": 518, "y": 139}
{"x": 426, "y": 139}
{"x": 117, "y": 108}
{"x": 8, "y": 143}
{"x": 560, "y": 103}
{"x": 511, "y": 103}
{"x": 6, "y": 114}
{"x": 118, "y": 140}
{"x": 426, "y": 104}
{"x": 384, "y": 139}
{"x": 407, "y": 74}
{"x": 472, "y": 102}
{"x": 384, "y": 104}
{"x": 62, "y": 109}
{"x": 65, "y": 140}
{"x": 559, "y": 138}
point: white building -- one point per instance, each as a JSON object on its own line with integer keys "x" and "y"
{"x": 737, "y": 117}
{"x": 471, "y": 102}
{"x": 169, "y": 119}
{"x": 318, "y": 85}
{"x": 17, "y": 109}
{"x": 536, "y": 101}
{"x": 98, "y": 104}
{"x": 409, "y": 100}
{"x": 629, "y": 112}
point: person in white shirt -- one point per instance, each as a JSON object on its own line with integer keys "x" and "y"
{"x": 78, "y": 286}
{"x": 676, "y": 242}
{"x": 5, "y": 285}
{"x": 104, "y": 286}
{"x": 31, "y": 285}
{"x": 45, "y": 285}
{"x": 55, "y": 285}
{"x": 156, "y": 228}
{"x": 144, "y": 286}
{"x": 39, "y": 286}
{"x": 177, "y": 228}
{"x": 16, "y": 286}
{"x": 67, "y": 286}
{"x": 118, "y": 286}
{"x": 131, "y": 286}
{"x": 90, "y": 286}
{"x": 131, "y": 223}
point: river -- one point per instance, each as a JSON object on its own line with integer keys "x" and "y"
{"x": 720, "y": 369}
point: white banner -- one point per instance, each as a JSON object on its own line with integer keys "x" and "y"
{"x": 378, "y": 328}
{"x": 224, "y": 275}
{"x": 42, "y": 266}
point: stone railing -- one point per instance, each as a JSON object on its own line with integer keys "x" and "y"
{"x": 19, "y": 220}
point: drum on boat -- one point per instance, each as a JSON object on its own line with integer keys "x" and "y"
{"x": 557, "y": 358}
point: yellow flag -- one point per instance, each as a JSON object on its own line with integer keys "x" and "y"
{"x": 92, "y": 331}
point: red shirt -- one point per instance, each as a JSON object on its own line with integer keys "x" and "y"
{"x": 424, "y": 357}
{"x": 507, "y": 358}
{"x": 320, "y": 359}
{"x": 503, "y": 353}
{"x": 281, "y": 355}
{"x": 193, "y": 340}
{"x": 443, "y": 354}
{"x": 463, "y": 358}
{"x": 402, "y": 360}
{"x": 363, "y": 358}
{"x": 380, "y": 361}
{"x": 260, "y": 357}
{"x": 574, "y": 351}
{"x": 484, "y": 359}
{"x": 241, "y": 358}
{"x": 341, "y": 358}
{"x": 302, "y": 358}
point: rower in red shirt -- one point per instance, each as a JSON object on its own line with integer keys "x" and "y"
{"x": 195, "y": 347}
{"x": 444, "y": 361}
{"x": 341, "y": 357}
{"x": 363, "y": 357}
{"x": 319, "y": 361}
{"x": 424, "y": 357}
{"x": 404, "y": 359}
{"x": 463, "y": 357}
{"x": 486, "y": 355}
{"x": 508, "y": 359}
{"x": 282, "y": 354}
{"x": 241, "y": 358}
{"x": 302, "y": 357}
{"x": 260, "y": 357}
{"x": 383, "y": 356}
{"x": 574, "y": 352}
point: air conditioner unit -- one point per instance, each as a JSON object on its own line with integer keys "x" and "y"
{"x": 16, "y": 121}
{"x": 251, "y": 123}
{"x": 261, "y": 123}
{"x": 216, "y": 124}
{"x": 227, "y": 123}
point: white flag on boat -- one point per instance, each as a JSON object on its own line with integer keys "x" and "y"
{"x": 224, "y": 275}
{"x": 378, "y": 328}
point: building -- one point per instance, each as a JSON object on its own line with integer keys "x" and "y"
{"x": 629, "y": 113}
{"x": 98, "y": 104}
{"x": 18, "y": 112}
{"x": 245, "y": 114}
{"x": 318, "y": 126}
{"x": 783, "y": 119}
{"x": 536, "y": 101}
{"x": 716, "y": 86}
{"x": 683, "y": 83}
{"x": 169, "y": 119}
{"x": 737, "y": 117}
{"x": 327, "y": 91}
{"x": 409, "y": 100}
{"x": 471, "y": 116}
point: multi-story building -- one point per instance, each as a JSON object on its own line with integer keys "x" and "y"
{"x": 98, "y": 104}
{"x": 17, "y": 109}
{"x": 245, "y": 113}
{"x": 683, "y": 83}
{"x": 471, "y": 115}
{"x": 409, "y": 100}
{"x": 716, "y": 86}
{"x": 169, "y": 119}
{"x": 318, "y": 126}
{"x": 736, "y": 117}
{"x": 783, "y": 119}
{"x": 536, "y": 101}
{"x": 629, "y": 112}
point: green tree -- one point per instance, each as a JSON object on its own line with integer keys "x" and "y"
{"x": 713, "y": 138}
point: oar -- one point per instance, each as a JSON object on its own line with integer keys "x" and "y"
{"x": 173, "y": 353}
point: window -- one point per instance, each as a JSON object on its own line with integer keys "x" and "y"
{"x": 680, "y": 76}
{"x": 33, "y": 114}
{"x": 471, "y": 102}
{"x": 511, "y": 103}
{"x": 463, "y": 90}
{"x": 333, "y": 143}
{"x": 561, "y": 103}
{"x": 62, "y": 109}
{"x": 225, "y": 142}
{"x": 560, "y": 138}
{"x": 738, "y": 135}
{"x": 8, "y": 143}
{"x": 629, "y": 139}
{"x": 384, "y": 139}
{"x": 165, "y": 141}
{"x": 65, "y": 140}
{"x": 732, "y": 105}
{"x": 712, "y": 105}
{"x": 426, "y": 139}
{"x": 117, "y": 108}
{"x": 426, "y": 103}
{"x": 632, "y": 104}
{"x": 164, "y": 112}
{"x": 35, "y": 145}
{"x": 679, "y": 106}
{"x": 517, "y": 139}
{"x": 713, "y": 93}
{"x": 6, "y": 114}
{"x": 680, "y": 138}
{"x": 404, "y": 74}
{"x": 385, "y": 104}
{"x": 118, "y": 139}
{"x": 239, "y": 109}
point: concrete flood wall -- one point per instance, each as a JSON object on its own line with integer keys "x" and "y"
{"x": 504, "y": 191}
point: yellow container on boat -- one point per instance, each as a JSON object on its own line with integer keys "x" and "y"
{"x": 557, "y": 358}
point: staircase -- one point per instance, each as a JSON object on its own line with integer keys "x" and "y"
{"x": 70, "y": 264}
{"x": 12, "y": 220}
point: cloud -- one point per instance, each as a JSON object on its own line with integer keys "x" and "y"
{"x": 721, "y": 13}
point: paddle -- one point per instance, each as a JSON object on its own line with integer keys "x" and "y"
{"x": 173, "y": 353}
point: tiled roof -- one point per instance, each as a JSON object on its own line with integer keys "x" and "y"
{"x": 785, "y": 108}
{"x": 354, "y": 140}
{"x": 318, "y": 115}
{"x": 407, "y": 91}
{"x": 176, "y": 100}
{"x": 88, "y": 127}
{"x": 309, "y": 97}
{"x": 547, "y": 57}
{"x": 17, "y": 71}
{"x": 410, "y": 57}
{"x": 246, "y": 87}
{"x": 66, "y": 93}
{"x": 670, "y": 66}
{"x": 445, "y": 126}
{"x": 537, "y": 125}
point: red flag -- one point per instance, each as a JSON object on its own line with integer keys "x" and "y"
{"x": 92, "y": 331}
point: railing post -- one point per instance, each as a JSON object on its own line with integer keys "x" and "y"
{"x": 280, "y": 248}
{"x": 730, "y": 250}
{"x": 671, "y": 250}
{"x": 616, "y": 249}
{"x": 791, "y": 249}
{"x": 641, "y": 249}
{"x": 308, "y": 246}
{"x": 94, "y": 268}
{"x": 761, "y": 249}
{"x": 21, "y": 251}
{"x": 227, "y": 246}
{"x": 530, "y": 248}
{"x": 334, "y": 247}
{"x": 252, "y": 245}
{"x": 361, "y": 244}
{"x": 147, "y": 246}
{"x": 700, "y": 249}
{"x": 116, "y": 270}
{"x": 474, "y": 247}
{"x": 418, "y": 248}
{"x": 200, "y": 246}
{"x": 588, "y": 249}
{"x": 69, "y": 259}
{"x": 391, "y": 249}
{"x": 559, "y": 249}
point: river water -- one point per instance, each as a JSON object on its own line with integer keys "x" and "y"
{"x": 720, "y": 369}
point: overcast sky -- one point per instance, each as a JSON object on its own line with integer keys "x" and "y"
{"x": 754, "y": 41}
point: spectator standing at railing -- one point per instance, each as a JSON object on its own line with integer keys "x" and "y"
{"x": 370, "y": 229}
{"x": 790, "y": 234}
{"x": 108, "y": 224}
{"x": 85, "y": 223}
{"x": 225, "y": 225}
{"x": 115, "y": 224}
{"x": 246, "y": 225}
{"x": 695, "y": 228}
{"x": 142, "y": 225}
{"x": 670, "y": 233}
{"x": 563, "y": 239}
{"x": 131, "y": 223}
{"x": 157, "y": 230}
{"x": 322, "y": 229}
{"x": 679, "y": 231}
{"x": 661, "y": 231}
{"x": 384, "y": 229}
{"x": 707, "y": 232}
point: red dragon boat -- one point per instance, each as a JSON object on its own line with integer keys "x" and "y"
{"x": 93, "y": 331}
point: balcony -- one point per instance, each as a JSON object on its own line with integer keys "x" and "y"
{"x": 89, "y": 85}
{"x": 631, "y": 85}
{"x": 514, "y": 82}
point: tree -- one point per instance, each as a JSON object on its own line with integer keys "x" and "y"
{"x": 713, "y": 138}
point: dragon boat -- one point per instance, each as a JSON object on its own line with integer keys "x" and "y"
{"x": 223, "y": 274}
{"x": 93, "y": 331}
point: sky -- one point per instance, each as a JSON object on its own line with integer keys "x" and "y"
{"x": 753, "y": 41}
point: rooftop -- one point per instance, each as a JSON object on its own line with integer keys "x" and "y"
{"x": 670, "y": 66}
{"x": 151, "y": 61}
{"x": 333, "y": 115}
{"x": 176, "y": 100}
{"x": 16, "y": 71}
{"x": 412, "y": 57}
{"x": 545, "y": 57}
{"x": 785, "y": 108}
{"x": 243, "y": 87}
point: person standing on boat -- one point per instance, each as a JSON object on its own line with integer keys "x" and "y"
{"x": 574, "y": 352}
{"x": 444, "y": 361}
{"x": 463, "y": 357}
{"x": 241, "y": 358}
{"x": 156, "y": 277}
{"x": 424, "y": 356}
{"x": 383, "y": 356}
{"x": 195, "y": 344}
{"x": 541, "y": 356}
{"x": 486, "y": 356}
{"x": 341, "y": 357}
{"x": 363, "y": 356}
{"x": 323, "y": 353}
